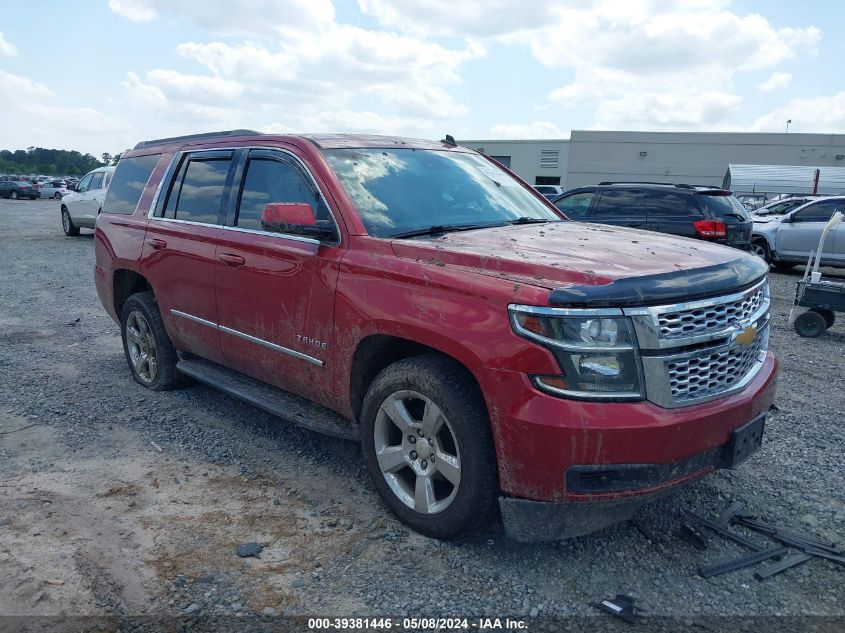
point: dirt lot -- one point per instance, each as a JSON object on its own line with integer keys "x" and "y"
{"x": 119, "y": 502}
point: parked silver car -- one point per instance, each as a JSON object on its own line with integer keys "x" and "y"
{"x": 81, "y": 207}
{"x": 787, "y": 240}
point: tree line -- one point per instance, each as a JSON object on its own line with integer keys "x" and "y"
{"x": 52, "y": 162}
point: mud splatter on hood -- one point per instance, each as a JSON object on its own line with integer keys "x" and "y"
{"x": 565, "y": 253}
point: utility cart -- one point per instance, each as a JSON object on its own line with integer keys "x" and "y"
{"x": 824, "y": 296}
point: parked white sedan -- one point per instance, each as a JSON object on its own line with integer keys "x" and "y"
{"x": 81, "y": 206}
{"x": 54, "y": 189}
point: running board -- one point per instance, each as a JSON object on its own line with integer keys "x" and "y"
{"x": 280, "y": 403}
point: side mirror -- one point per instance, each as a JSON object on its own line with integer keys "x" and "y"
{"x": 295, "y": 218}
{"x": 787, "y": 219}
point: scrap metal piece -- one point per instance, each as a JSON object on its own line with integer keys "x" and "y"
{"x": 737, "y": 538}
{"x": 795, "y": 537}
{"x": 621, "y": 606}
{"x": 693, "y": 536}
{"x": 743, "y": 561}
{"x": 729, "y": 512}
{"x": 783, "y": 565}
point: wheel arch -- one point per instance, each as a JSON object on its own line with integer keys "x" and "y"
{"x": 376, "y": 352}
{"x": 126, "y": 283}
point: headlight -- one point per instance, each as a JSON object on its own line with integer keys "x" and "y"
{"x": 596, "y": 351}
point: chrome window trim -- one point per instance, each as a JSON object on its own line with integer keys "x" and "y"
{"x": 287, "y": 236}
{"x": 177, "y": 157}
{"x": 191, "y": 222}
{"x": 247, "y": 337}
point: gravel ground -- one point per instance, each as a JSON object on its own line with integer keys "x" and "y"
{"x": 96, "y": 520}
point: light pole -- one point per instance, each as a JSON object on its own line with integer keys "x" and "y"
{"x": 788, "y": 121}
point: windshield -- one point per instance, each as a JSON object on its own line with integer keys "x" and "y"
{"x": 398, "y": 191}
{"x": 722, "y": 206}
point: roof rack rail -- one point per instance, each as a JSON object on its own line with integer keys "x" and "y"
{"x": 649, "y": 182}
{"x": 195, "y": 137}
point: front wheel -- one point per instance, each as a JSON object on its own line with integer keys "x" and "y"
{"x": 70, "y": 229}
{"x": 428, "y": 447}
{"x": 14, "y": 195}
{"x": 761, "y": 250}
{"x": 150, "y": 353}
{"x": 57, "y": 196}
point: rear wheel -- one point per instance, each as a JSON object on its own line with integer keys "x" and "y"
{"x": 150, "y": 353}
{"x": 810, "y": 324}
{"x": 828, "y": 315}
{"x": 68, "y": 226}
{"x": 427, "y": 443}
{"x": 57, "y": 196}
{"x": 13, "y": 195}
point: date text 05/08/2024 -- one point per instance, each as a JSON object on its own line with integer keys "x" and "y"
{"x": 416, "y": 624}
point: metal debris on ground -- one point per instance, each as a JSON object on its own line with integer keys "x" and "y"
{"x": 693, "y": 536}
{"x": 246, "y": 550}
{"x": 622, "y": 607}
{"x": 810, "y": 546}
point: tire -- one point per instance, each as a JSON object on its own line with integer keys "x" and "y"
{"x": 783, "y": 266}
{"x": 761, "y": 249}
{"x": 57, "y": 196}
{"x": 13, "y": 195}
{"x": 828, "y": 315}
{"x": 70, "y": 229}
{"x": 149, "y": 352}
{"x": 810, "y": 324}
{"x": 455, "y": 465}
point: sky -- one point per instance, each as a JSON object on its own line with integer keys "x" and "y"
{"x": 100, "y": 75}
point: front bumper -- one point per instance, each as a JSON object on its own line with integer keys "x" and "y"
{"x": 533, "y": 521}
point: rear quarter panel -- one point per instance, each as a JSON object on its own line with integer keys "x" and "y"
{"x": 119, "y": 240}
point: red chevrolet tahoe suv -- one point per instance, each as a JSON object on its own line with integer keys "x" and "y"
{"x": 421, "y": 298}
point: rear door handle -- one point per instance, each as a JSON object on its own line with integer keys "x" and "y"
{"x": 232, "y": 260}
{"x": 156, "y": 243}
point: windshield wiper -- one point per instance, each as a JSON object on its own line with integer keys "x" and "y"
{"x": 526, "y": 220}
{"x": 440, "y": 229}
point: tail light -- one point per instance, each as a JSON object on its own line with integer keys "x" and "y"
{"x": 710, "y": 228}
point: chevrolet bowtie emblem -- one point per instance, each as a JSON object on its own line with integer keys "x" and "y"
{"x": 747, "y": 336}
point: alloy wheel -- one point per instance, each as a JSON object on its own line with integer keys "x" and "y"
{"x": 417, "y": 452}
{"x": 141, "y": 344}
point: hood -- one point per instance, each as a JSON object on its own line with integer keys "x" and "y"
{"x": 569, "y": 257}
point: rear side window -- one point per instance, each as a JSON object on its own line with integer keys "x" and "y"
{"x": 576, "y": 205}
{"x": 128, "y": 183}
{"x": 197, "y": 195}
{"x": 268, "y": 180}
{"x": 96, "y": 181}
{"x": 619, "y": 203}
{"x": 719, "y": 206}
{"x": 669, "y": 204}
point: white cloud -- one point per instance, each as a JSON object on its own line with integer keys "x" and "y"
{"x": 812, "y": 114}
{"x": 667, "y": 64}
{"x": 776, "y": 81}
{"x": 135, "y": 10}
{"x": 52, "y": 125}
{"x": 6, "y": 47}
{"x": 535, "y": 129}
{"x": 249, "y": 18}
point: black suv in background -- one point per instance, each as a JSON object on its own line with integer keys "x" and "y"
{"x": 686, "y": 210}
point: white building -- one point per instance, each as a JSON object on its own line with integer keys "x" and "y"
{"x": 699, "y": 158}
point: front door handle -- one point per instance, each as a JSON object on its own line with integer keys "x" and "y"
{"x": 232, "y": 260}
{"x": 156, "y": 243}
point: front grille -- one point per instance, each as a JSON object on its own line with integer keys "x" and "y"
{"x": 710, "y": 318}
{"x": 708, "y": 374}
{"x": 691, "y": 352}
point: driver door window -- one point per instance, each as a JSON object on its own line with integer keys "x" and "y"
{"x": 576, "y": 206}
{"x": 83, "y": 185}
